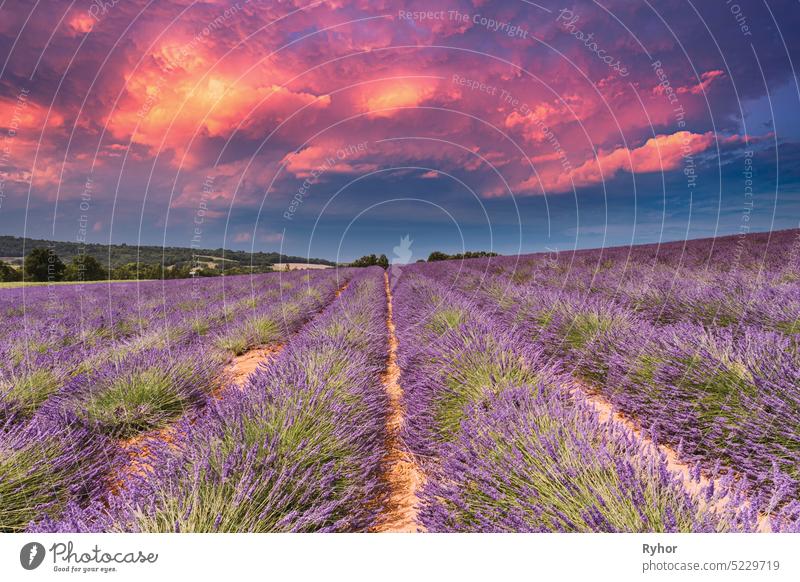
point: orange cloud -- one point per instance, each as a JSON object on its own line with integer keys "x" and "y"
{"x": 81, "y": 23}
{"x": 24, "y": 116}
{"x": 175, "y": 97}
{"x": 320, "y": 159}
{"x": 380, "y": 100}
{"x": 661, "y": 153}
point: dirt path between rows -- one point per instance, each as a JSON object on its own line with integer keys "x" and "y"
{"x": 235, "y": 374}
{"x": 239, "y": 370}
{"x": 402, "y": 475}
{"x": 607, "y": 414}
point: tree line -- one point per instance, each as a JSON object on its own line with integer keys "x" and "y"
{"x": 44, "y": 265}
{"x": 383, "y": 261}
{"x": 440, "y": 256}
{"x": 117, "y": 255}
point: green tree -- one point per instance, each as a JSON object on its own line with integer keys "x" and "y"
{"x": 365, "y": 261}
{"x": 383, "y": 261}
{"x": 437, "y": 256}
{"x": 137, "y": 271}
{"x": 43, "y": 265}
{"x": 440, "y": 256}
{"x": 8, "y": 273}
{"x": 85, "y": 268}
{"x": 178, "y": 272}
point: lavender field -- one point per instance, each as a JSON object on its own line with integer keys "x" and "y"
{"x": 637, "y": 389}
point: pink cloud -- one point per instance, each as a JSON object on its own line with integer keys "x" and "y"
{"x": 271, "y": 237}
{"x": 705, "y": 82}
{"x": 338, "y": 158}
{"x": 175, "y": 95}
{"x": 81, "y": 23}
{"x": 661, "y": 153}
{"x": 381, "y": 100}
{"x": 192, "y": 94}
{"x": 535, "y": 120}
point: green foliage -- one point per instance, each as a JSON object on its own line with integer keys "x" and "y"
{"x": 134, "y": 262}
{"x": 371, "y": 261}
{"x": 298, "y": 438}
{"x": 43, "y": 264}
{"x": 446, "y": 319}
{"x": 788, "y": 327}
{"x": 28, "y": 391}
{"x": 553, "y": 443}
{"x": 9, "y": 274}
{"x": 259, "y": 330}
{"x": 724, "y": 396}
{"x": 440, "y": 256}
{"x": 302, "y": 437}
{"x": 28, "y": 482}
{"x": 437, "y": 256}
{"x": 586, "y": 326}
{"x": 471, "y": 377}
{"x": 136, "y": 403}
{"x": 85, "y": 268}
{"x": 136, "y": 271}
{"x": 12, "y": 246}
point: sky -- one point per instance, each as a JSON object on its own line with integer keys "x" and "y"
{"x": 335, "y": 129}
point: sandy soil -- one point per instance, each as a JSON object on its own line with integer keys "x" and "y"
{"x": 241, "y": 367}
{"x": 402, "y": 474}
{"x": 139, "y": 456}
{"x": 235, "y": 374}
{"x": 138, "y": 449}
{"x": 607, "y": 414}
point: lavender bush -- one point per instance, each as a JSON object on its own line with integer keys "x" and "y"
{"x": 299, "y": 449}
{"x": 44, "y": 466}
{"x": 529, "y": 461}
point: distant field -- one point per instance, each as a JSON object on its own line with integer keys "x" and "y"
{"x": 298, "y": 266}
{"x": 44, "y": 283}
{"x": 14, "y": 247}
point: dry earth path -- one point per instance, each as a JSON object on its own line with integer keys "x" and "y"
{"x": 402, "y": 475}
{"x": 607, "y": 415}
{"x": 235, "y": 374}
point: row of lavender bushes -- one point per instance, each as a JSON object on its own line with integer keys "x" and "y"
{"x": 53, "y": 340}
{"x": 697, "y": 345}
{"x": 506, "y": 447}
{"x": 730, "y": 282}
{"x": 298, "y": 449}
{"x": 728, "y": 395}
{"x": 67, "y": 406}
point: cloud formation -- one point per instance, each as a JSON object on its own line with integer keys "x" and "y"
{"x": 146, "y": 102}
